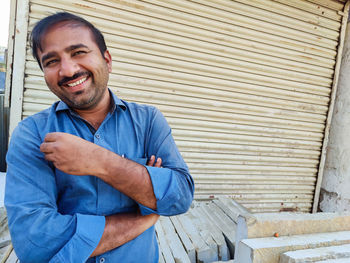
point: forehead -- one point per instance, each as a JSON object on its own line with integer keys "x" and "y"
{"x": 66, "y": 34}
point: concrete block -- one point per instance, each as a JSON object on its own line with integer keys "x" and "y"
{"x": 205, "y": 252}
{"x": 5, "y": 253}
{"x": 12, "y": 257}
{"x": 269, "y": 249}
{"x": 161, "y": 258}
{"x": 267, "y": 224}
{"x": 339, "y": 260}
{"x": 231, "y": 208}
{"x": 164, "y": 248}
{"x": 186, "y": 242}
{"x": 223, "y": 222}
{"x": 204, "y": 224}
{"x": 316, "y": 254}
{"x": 173, "y": 241}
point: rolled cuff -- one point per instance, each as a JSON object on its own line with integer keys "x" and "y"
{"x": 165, "y": 190}
{"x": 89, "y": 230}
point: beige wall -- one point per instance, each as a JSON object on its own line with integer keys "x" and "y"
{"x": 335, "y": 193}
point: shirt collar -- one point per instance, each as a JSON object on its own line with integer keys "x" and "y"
{"x": 61, "y": 106}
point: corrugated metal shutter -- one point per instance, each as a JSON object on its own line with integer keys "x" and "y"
{"x": 245, "y": 85}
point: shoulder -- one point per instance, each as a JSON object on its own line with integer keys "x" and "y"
{"x": 147, "y": 116}
{"x": 36, "y": 123}
{"x": 143, "y": 111}
{"x": 142, "y": 108}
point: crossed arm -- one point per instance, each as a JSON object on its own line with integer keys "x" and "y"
{"x": 77, "y": 156}
{"x": 35, "y": 211}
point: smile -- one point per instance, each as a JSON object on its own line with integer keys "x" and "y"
{"x": 77, "y": 82}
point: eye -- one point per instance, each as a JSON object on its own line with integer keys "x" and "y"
{"x": 78, "y": 52}
{"x": 50, "y": 62}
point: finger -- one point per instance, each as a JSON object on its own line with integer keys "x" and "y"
{"x": 151, "y": 160}
{"x": 49, "y": 157}
{"x": 159, "y": 162}
{"x": 51, "y": 137}
{"x": 46, "y": 147}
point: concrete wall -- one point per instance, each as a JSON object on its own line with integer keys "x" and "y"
{"x": 335, "y": 190}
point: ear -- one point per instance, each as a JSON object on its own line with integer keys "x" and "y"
{"x": 108, "y": 58}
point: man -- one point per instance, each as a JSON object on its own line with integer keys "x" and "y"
{"x": 78, "y": 188}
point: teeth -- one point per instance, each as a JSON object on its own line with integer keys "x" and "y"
{"x": 77, "y": 82}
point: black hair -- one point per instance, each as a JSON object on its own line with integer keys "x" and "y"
{"x": 46, "y": 23}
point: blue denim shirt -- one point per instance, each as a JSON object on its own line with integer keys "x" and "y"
{"x": 58, "y": 217}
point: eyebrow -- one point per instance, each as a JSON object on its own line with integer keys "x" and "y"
{"x": 67, "y": 49}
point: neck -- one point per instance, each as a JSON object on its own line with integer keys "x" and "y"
{"x": 96, "y": 115}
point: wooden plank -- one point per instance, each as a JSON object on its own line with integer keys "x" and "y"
{"x": 203, "y": 251}
{"x": 186, "y": 242}
{"x": 163, "y": 246}
{"x": 175, "y": 245}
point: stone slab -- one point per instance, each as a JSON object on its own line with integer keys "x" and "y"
{"x": 269, "y": 249}
{"x": 267, "y": 224}
{"x": 339, "y": 260}
{"x": 186, "y": 242}
{"x": 225, "y": 224}
{"x": 231, "y": 208}
{"x": 5, "y": 253}
{"x": 204, "y": 252}
{"x": 175, "y": 245}
{"x": 12, "y": 257}
{"x": 163, "y": 245}
{"x": 316, "y": 254}
{"x": 203, "y": 224}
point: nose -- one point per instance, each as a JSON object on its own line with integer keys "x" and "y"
{"x": 68, "y": 67}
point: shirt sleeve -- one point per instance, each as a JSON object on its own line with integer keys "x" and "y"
{"x": 38, "y": 231}
{"x": 173, "y": 185}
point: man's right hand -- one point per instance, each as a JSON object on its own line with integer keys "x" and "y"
{"x": 121, "y": 228}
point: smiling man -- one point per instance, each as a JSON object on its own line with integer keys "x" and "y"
{"x": 88, "y": 178}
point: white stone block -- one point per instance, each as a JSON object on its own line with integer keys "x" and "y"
{"x": 339, "y": 260}
{"x": 269, "y": 249}
{"x": 204, "y": 251}
{"x": 316, "y": 254}
{"x": 285, "y": 224}
{"x": 204, "y": 224}
{"x": 173, "y": 241}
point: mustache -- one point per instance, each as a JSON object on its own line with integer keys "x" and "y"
{"x": 75, "y": 76}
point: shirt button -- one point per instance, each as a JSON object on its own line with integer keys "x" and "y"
{"x": 102, "y": 260}
{"x": 97, "y": 136}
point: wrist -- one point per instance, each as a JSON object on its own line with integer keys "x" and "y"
{"x": 103, "y": 161}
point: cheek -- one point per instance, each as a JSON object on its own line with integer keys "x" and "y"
{"x": 50, "y": 79}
